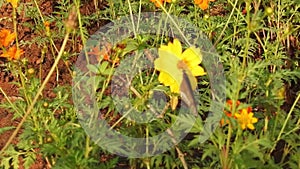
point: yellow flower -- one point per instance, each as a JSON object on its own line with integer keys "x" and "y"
{"x": 14, "y": 3}
{"x": 172, "y": 62}
{"x": 246, "y": 119}
{"x": 6, "y": 37}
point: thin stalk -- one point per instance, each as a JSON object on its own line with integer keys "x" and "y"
{"x": 15, "y": 27}
{"x": 166, "y": 23}
{"x": 286, "y": 121}
{"x": 120, "y": 119}
{"x": 139, "y": 17}
{"x": 77, "y": 2}
{"x": 175, "y": 24}
{"x": 131, "y": 17}
{"x": 227, "y": 161}
{"x": 171, "y": 134}
{"x": 225, "y": 27}
{"x": 87, "y": 147}
{"x": 8, "y": 100}
{"x": 147, "y": 148}
{"x": 247, "y": 36}
{"x": 21, "y": 75}
{"x": 226, "y": 156}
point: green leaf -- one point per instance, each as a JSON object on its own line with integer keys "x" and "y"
{"x": 4, "y": 129}
{"x": 131, "y": 45}
{"x": 93, "y": 68}
{"x": 29, "y": 159}
{"x": 103, "y": 66}
{"x": 5, "y": 162}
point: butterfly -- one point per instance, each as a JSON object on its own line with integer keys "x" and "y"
{"x": 179, "y": 78}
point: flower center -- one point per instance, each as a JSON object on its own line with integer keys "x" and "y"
{"x": 182, "y": 65}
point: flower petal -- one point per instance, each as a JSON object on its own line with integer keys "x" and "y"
{"x": 198, "y": 71}
{"x": 13, "y": 53}
{"x": 203, "y": 4}
{"x": 6, "y": 37}
{"x": 176, "y": 48}
{"x": 250, "y": 126}
{"x": 165, "y": 78}
{"x": 192, "y": 56}
{"x": 254, "y": 120}
{"x": 174, "y": 88}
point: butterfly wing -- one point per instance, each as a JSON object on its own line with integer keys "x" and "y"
{"x": 167, "y": 62}
{"x": 187, "y": 94}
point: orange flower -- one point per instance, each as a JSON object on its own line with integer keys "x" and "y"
{"x": 230, "y": 102}
{"x": 243, "y": 116}
{"x": 47, "y": 27}
{"x": 203, "y": 4}
{"x": 229, "y": 114}
{"x": 157, "y": 3}
{"x": 46, "y": 24}
{"x": 104, "y": 54}
{"x": 6, "y": 37}
{"x": 13, "y": 53}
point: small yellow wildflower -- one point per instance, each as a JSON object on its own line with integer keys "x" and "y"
{"x": 246, "y": 119}
{"x": 172, "y": 62}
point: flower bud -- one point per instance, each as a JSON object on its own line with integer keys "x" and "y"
{"x": 206, "y": 16}
{"x": 45, "y": 104}
{"x": 30, "y": 71}
{"x": 269, "y": 11}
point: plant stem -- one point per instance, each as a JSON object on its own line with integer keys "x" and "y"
{"x": 9, "y": 101}
{"x": 87, "y": 147}
{"x": 227, "y": 23}
{"x": 248, "y": 20}
{"x": 15, "y": 27}
{"x": 226, "y": 158}
{"x": 21, "y": 75}
{"x": 286, "y": 121}
{"x": 77, "y": 5}
{"x": 132, "y": 21}
{"x": 175, "y": 24}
